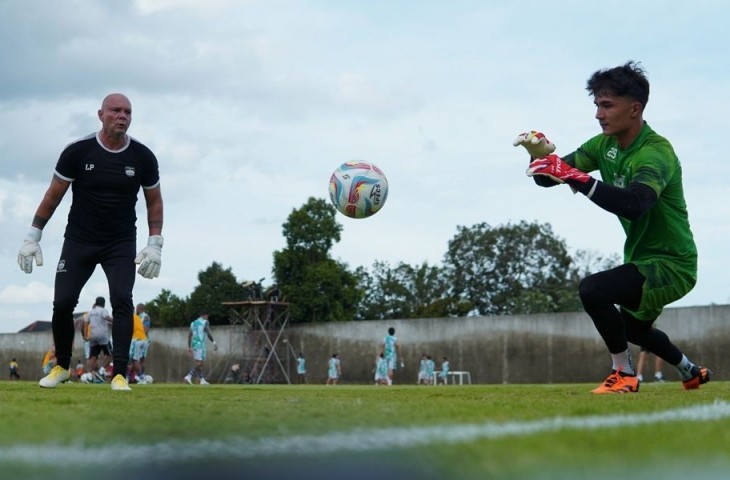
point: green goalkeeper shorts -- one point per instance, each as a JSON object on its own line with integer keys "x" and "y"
{"x": 666, "y": 282}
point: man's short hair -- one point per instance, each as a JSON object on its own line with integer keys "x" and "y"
{"x": 391, "y": 331}
{"x": 628, "y": 80}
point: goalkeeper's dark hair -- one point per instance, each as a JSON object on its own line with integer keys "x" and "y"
{"x": 628, "y": 80}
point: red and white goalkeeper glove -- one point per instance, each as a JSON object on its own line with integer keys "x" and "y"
{"x": 556, "y": 168}
{"x": 536, "y": 144}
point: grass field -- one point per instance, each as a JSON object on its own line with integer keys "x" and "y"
{"x": 363, "y": 432}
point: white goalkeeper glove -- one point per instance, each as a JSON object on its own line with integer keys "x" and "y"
{"x": 150, "y": 257}
{"x": 536, "y": 144}
{"x": 30, "y": 250}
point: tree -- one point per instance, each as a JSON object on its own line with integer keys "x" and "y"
{"x": 584, "y": 262}
{"x": 510, "y": 269}
{"x": 312, "y": 229}
{"x": 327, "y": 293}
{"x": 168, "y": 310}
{"x": 404, "y": 292}
{"x": 318, "y": 288}
{"x": 216, "y": 286}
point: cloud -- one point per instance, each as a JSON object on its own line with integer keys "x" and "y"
{"x": 151, "y": 7}
{"x": 33, "y": 292}
{"x": 249, "y": 107}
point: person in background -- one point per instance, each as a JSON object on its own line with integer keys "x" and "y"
{"x": 14, "y": 373}
{"x": 85, "y": 332}
{"x": 422, "y": 367}
{"x": 391, "y": 350}
{"x": 199, "y": 331}
{"x": 334, "y": 370}
{"x": 105, "y": 170}
{"x": 381, "y": 370}
{"x": 80, "y": 369}
{"x": 234, "y": 374}
{"x": 430, "y": 368}
{"x": 141, "y": 310}
{"x": 137, "y": 350}
{"x": 301, "y": 369}
{"x": 98, "y": 324}
{"x": 444, "y": 373}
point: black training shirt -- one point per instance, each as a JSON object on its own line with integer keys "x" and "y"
{"x": 105, "y": 186}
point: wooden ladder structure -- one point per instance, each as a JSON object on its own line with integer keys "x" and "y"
{"x": 266, "y": 348}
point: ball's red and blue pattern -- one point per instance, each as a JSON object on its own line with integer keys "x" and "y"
{"x": 358, "y": 189}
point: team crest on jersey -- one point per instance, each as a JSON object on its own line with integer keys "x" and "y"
{"x": 61, "y": 266}
{"x": 129, "y": 171}
{"x": 619, "y": 180}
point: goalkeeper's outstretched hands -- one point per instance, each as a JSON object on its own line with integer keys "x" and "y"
{"x": 556, "y": 168}
{"x": 536, "y": 144}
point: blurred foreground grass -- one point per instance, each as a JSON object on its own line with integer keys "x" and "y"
{"x": 170, "y": 431}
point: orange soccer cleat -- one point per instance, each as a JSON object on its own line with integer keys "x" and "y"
{"x": 617, "y": 382}
{"x": 701, "y": 376}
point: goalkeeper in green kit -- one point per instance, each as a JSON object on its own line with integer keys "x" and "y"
{"x": 641, "y": 183}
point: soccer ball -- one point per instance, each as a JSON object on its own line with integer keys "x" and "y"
{"x": 358, "y": 189}
{"x": 144, "y": 379}
{"x": 86, "y": 377}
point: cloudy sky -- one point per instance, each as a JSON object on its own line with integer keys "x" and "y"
{"x": 250, "y": 105}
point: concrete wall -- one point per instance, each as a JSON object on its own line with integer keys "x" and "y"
{"x": 548, "y": 348}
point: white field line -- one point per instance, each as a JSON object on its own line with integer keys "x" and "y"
{"x": 358, "y": 440}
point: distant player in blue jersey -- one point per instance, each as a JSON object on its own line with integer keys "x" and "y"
{"x": 430, "y": 368}
{"x": 391, "y": 350}
{"x": 199, "y": 331}
{"x": 444, "y": 373}
{"x": 381, "y": 370}
{"x": 422, "y": 367}
{"x": 301, "y": 368}
{"x": 334, "y": 371}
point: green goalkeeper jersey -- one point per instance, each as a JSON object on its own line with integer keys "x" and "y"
{"x": 661, "y": 236}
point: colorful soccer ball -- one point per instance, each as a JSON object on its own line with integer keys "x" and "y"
{"x": 358, "y": 189}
